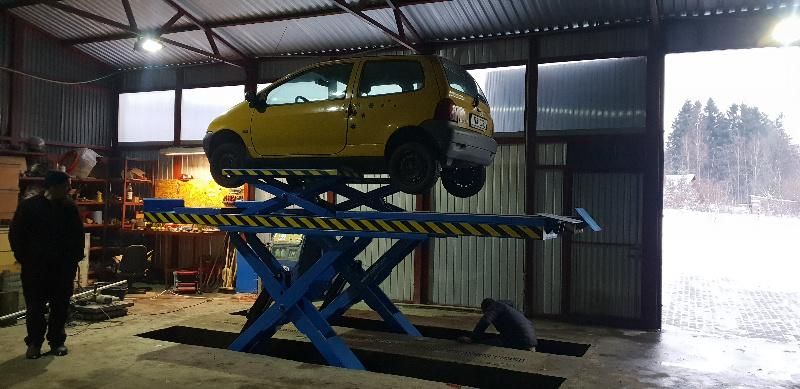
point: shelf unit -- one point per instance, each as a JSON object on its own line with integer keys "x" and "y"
{"x": 88, "y": 189}
{"x": 142, "y": 188}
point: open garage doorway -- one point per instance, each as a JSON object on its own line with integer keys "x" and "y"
{"x": 732, "y": 194}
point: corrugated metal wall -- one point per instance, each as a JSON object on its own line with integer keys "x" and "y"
{"x": 593, "y": 42}
{"x": 466, "y": 270}
{"x": 606, "y": 265}
{"x": 590, "y": 95}
{"x": 400, "y": 284}
{"x": 82, "y": 114}
{"x": 547, "y": 254}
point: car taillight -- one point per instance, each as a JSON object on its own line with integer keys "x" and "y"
{"x": 447, "y": 110}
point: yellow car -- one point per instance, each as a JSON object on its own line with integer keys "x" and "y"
{"x": 413, "y": 117}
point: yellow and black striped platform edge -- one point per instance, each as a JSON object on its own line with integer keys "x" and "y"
{"x": 440, "y": 229}
{"x": 283, "y": 173}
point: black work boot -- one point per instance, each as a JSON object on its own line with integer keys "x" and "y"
{"x": 59, "y": 350}
{"x": 33, "y": 352}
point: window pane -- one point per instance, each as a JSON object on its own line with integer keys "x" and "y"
{"x": 604, "y": 94}
{"x": 505, "y": 92}
{"x": 460, "y": 80}
{"x": 323, "y": 83}
{"x": 262, "y": 86}
{"x": 200, "y": 106}
{"x": 146, "y": 116}
{"x": 385, "y": 77}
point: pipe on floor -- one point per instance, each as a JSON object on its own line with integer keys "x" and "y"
{"x": 86, "y": 293}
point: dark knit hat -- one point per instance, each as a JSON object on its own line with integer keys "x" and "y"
{"x": 54, "y": 178}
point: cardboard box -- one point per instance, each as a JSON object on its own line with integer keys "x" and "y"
{"x": 8, "y": 203}
{"x": 10, "y": 170}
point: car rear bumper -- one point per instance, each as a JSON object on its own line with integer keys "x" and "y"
{"x": 469, "y": 146}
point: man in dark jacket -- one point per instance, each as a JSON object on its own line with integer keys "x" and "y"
{"x": 516, "y": 331}
{"x": 46, "y": 236}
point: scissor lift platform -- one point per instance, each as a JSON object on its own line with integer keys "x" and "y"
{"x": 342, "y": 234}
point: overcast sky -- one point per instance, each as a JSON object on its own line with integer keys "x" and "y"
{"x": 766, "y": 78}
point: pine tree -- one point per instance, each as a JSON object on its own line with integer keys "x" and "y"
{"x": 679, "y": 157}
{"x": 717, "y": 137}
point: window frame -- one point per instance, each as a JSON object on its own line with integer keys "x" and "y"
{"x": 291, "y": 77}
{"x": 364, "y": 66}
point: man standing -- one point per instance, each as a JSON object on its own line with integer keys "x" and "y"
{"x": 516, "y": 331}
{"x": 46, "y": 236}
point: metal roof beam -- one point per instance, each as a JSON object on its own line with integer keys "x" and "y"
{"x": 254, "y": 20}
{"x": 361, "y": 15}
{"x": 136, "y": 33}
{"x": 170, "y": 22}
{"x": 210, "y": 34}
{"x": 404, "y": 20}
{"x": 129, "y": 13}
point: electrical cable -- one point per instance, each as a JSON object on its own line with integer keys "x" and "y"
{"x": 57, "y": 81}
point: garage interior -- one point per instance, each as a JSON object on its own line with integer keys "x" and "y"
{"x": 121, "y": 92}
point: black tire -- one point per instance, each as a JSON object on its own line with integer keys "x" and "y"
{"x": 228, "y": 156}
{"x": 464, "y": 181}
{"x": 414, "y": 168}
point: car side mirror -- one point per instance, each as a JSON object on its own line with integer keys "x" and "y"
{"x": 250, "y": 97}
{"x": 256, "y": 101}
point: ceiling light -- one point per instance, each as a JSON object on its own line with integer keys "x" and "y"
{"x": 787, "y": 31}
{"x": 149, "y": 45}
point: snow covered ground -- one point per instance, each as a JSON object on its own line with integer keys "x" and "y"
{"x": 754, "y": 250}
{"x": 732, "y": 275}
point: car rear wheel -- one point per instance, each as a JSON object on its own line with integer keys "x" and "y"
{"x": 228, "y": 156}
{"x": 414, "y": 168}
{"x": 464, "y": 181}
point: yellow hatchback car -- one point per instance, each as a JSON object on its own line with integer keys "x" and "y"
{"x": 414, "y": 117}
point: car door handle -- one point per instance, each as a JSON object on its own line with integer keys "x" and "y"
{"x": 351, "y": 110}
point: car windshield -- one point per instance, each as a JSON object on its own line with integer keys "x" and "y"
{"x": 461, "y": 81}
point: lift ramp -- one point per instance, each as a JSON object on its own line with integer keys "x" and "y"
{"x": 342, "y": 234}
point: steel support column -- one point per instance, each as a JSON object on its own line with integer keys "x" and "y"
{"x": 531, "y": 103}
{"x": 653, "y": 189}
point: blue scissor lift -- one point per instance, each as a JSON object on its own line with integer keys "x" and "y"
{"x": 341, "y": 234}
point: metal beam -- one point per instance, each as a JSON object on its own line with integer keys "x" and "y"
{"x": 404, "y": 19}
{"x": 209, "y": 32}
{"x": 252, "y": 20}
{"x": 129, "y": 13}
{"x": 531, "y": 102}
{"x": 652, "y": 180}
{"x": 210, "y": 37}
{"x": 361, "y": 15}
{"x": 137, "y": 33}
{"x": 170, "y": 22}
{"x": 90, "y": 16}
{"x": 398, "y": 21}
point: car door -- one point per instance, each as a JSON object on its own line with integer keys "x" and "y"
{"x": 304, "y": 115}
{"x": 391, "y": 93}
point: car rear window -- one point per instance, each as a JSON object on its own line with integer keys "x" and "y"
{"x": 388, "y": 77}
{"x": 461, "y": 81}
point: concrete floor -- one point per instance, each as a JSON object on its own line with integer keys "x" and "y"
{"x": 108, "y": 354}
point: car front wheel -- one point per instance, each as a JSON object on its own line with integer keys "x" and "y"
{"x": 228, "y": 156}
{"x": 464, "y": 181}
{"x": 413, "y": 168}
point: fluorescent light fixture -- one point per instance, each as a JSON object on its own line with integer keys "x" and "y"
{"x": 787, "y": 31}
{"x": 149, "y": 45}
{"x": 170, "y": 151}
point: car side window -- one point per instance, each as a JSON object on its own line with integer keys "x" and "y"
{"x": 388, "y": 77}
{"x": 327, "y": 82}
